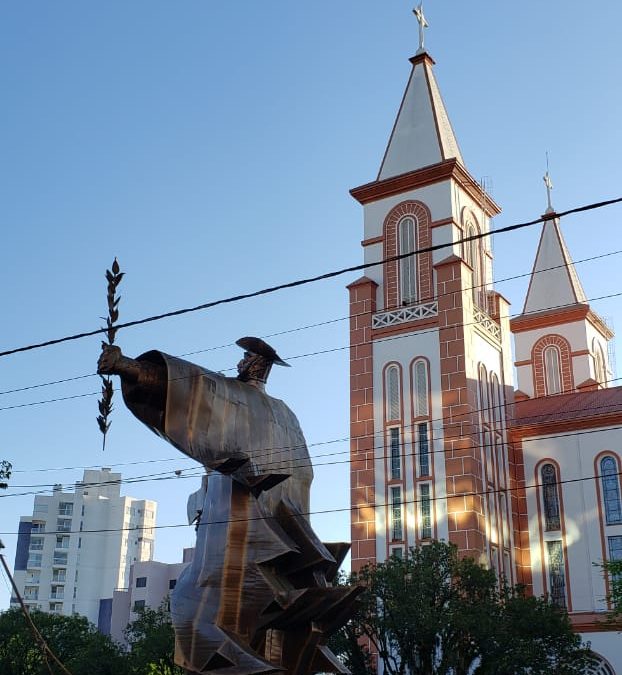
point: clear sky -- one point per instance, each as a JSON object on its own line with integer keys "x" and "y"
{"x": 211, "y": 146}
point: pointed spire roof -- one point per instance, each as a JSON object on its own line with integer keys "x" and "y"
{"x": 422, "y": 134}
{"x": 554, "y": 281}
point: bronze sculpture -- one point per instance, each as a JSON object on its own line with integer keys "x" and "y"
{"x": 258, "y": 596}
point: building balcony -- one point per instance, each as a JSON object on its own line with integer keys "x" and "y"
{"x": 34, "y": 562}
{"x": 58, "y": 595}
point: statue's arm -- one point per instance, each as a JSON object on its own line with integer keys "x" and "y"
{"x": 113, "y": 362}
{"x": 144, "y": 383}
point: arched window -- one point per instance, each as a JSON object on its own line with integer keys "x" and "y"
{"x": 394, "y": 408}
{"x": 611, "y": 490}
{"x": 473, "y": 257}
{"x": 600, "y": 363}
{"x": 420, "y": 388}
{"x": 550, "y": 498}
{"x": 597, "y": 666}
{"x": 408, "y": 265}
{"x": 552, "y": 373}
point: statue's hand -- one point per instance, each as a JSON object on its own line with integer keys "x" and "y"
{"x": 109, "y": 361}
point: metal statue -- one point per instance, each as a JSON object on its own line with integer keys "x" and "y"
{"x": 258, "y": 596}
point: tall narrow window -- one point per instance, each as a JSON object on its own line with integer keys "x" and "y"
{"x": 557, "y": 576}
{"x": 426, "y": 511}
{"x": 408, "y": 265}
{"x": 420, "y": 387}
{"x": 396, "y": 454}
{"x": 550, "y": 498}
{"x": 611, "y": 490}
{"x": 396, "y": 514}
{"x": 423, "y": 448}
{"x": 600, "y": 364}
{"x": 552, "y": 374}
{"x": 393, "y": 393}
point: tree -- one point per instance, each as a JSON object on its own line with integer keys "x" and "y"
{"x": 5, "y": 473}
{"x": 432, "y": 613}
{"x": 75, "y": 642}
{"x": 152, "y": 642}
{"x": 613, "y": 569}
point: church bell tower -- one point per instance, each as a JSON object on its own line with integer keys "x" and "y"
{"x": 429, "y": 348}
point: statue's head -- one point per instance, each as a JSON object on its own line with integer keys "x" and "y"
{"x": 257, "y": 361}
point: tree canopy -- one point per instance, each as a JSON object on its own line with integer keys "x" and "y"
{"x": 76, "y": 643}
{"x": 434, "y": 613}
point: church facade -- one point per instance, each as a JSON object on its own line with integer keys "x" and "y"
{"x": 522, "y": 474}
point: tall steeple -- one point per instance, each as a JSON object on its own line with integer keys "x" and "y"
{"x": 560, "y": 343}
{"x": 422, "y": 134}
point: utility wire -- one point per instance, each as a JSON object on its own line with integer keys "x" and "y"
{"x": 330, "y": 350}
{"x": 309, "y": 280}
{"x": 296, "y": 329}
{"x": 306, "y": 464}
{"x": 374, "y": 505}
{"x": 39, "y": 639}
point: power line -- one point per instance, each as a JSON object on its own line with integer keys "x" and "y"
{"x": 374, "y": 505}
{"x": 313, "y": 279}
{"x": 324, "y": 323}
{"x": 300, "y": 464}
{"x": 330, "y": 350}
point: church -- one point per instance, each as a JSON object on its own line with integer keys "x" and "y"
{"x": 496, "y": 432}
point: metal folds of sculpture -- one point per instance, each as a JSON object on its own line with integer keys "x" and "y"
{"x": 258, "y": 596}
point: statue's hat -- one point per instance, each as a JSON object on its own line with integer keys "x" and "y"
{"x": 256, "y": 345}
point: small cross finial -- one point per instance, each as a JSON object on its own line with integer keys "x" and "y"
{"x": 549, "y": 185}
{"x": 423, "y": 24}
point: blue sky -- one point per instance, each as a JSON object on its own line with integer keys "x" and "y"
{"x": 211, "y": 147}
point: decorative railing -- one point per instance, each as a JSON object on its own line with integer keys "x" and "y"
{"x": 404, "y": 314}
{"x": 487, "y": 324}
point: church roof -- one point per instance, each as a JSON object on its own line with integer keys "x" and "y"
{"x": 568, "y": 409}
{"x": 422, "y": 134}
{"x": 554, "y": 281}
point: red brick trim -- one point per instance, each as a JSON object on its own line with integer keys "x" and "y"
{"x": 362, "y": 466}
{"x": 565, "y": 364}
{"x": 423, "y": 239}
{"x": 436, "y": 173}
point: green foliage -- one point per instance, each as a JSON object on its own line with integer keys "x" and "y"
{"x": 5, "y": 473}
{"x": 613, "y": 569}
{"x": 152, "y": 643}
{"x": 433, "y": 613}
{"x": 76, "y": 643}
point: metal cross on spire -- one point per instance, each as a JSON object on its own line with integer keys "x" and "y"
{"x": 423, "y": 24}
{"x": 549, "y": 185}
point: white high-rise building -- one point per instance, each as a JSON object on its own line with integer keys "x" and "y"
{"x": 78, "y": 547}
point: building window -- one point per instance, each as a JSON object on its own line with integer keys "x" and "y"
{"x": 397, "y": 552}
{"x": 63, "y": 525}
{"x": 393, "y": 393}
{"x": 141, "y": 582}
{"x": 611, "y": 490}
{"x": 59, "y": 559}
{"x": 557, "y": 576}
{"x": 615, "y": 547}
{"x": 408, "y": 265}
{"x": 600, "y": 363}
{"x": 550, "y": 498}
{"x": 65, "y": 509}
{"x": 38, "y": 527}
{"x": 36, "y": 544}
{"x": 396, "y": 514}
{"x": 56, "y": 607}
{"x": 420, "y": 388}
{"x": 426, "y": 511}
{"x": 552, "y": 373}
{"x": 62, "y": 542}
{"x": 171, "y": 584}
{"x": 423, "y": 449}
{"x": 59, "y": 575}
{"x": 396, "y": 455}
{"x": 473, "y": 256}
{"x": 138, "y": 605}
{"x": 34, "y": 560}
